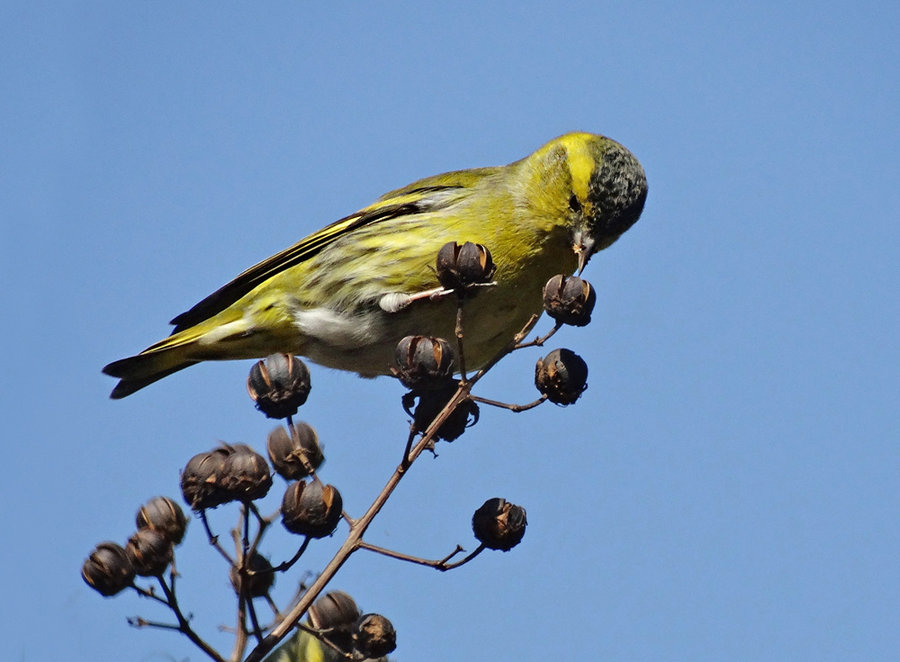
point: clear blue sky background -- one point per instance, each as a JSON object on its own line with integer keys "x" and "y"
{"x": 727, "y": 489}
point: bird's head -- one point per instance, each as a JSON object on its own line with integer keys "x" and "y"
{"x": 604, "y": 187}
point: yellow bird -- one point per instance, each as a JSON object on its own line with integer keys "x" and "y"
{"x": 345, "y": 295}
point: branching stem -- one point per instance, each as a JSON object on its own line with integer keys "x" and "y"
{"x": 354, "y": 541}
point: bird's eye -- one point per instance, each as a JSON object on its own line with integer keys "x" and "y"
{"x": 574, "y": 205}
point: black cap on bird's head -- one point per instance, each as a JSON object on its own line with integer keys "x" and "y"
{"x": 608, "y": 191}
{"x": 617, "y": 190}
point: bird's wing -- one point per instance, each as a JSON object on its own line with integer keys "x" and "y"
{"x": 423, "y": 196}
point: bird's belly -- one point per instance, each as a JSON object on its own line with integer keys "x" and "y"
{"x": 364, "y": 342}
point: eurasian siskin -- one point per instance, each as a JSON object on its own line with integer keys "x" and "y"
{"x": 345, "y": 295}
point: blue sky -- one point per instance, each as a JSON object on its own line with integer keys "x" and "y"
{"x": 727, "y": 488}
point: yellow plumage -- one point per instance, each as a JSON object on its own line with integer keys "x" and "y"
{"x": 336, "y": 296}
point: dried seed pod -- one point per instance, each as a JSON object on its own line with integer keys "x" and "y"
{"x": 279, "y": 385}
{"x": 460, "y": 267}
{"x": 424, "y": 406}
{"x": 569, "y": 300}
{"x": 423, "y": 362}
{"x": 336, "y": 612}
{"x": 245, "y": 474}
{"x": 311, "y": 509}
{"x": 200, "y": 479}
{"x": 374, "y": 635}
{"x": 297, "y": 455}
{"x": 561, "y": 376}
{"x": 259, "y": 582}
{"x": 498, "y": 524}
{"x": 149, "y": 551}
{"x": 162, "y": 514}
{"x": 107, "y": 570}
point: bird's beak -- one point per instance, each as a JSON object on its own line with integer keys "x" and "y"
{"x": 584, "y": 247}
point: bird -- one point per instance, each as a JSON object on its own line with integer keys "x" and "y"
{"x": 345, "y": 295}
{"x": 304, "y": 647}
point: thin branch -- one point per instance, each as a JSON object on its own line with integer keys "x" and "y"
{"x": 149, "y": 593}
{"x": 184, "y": 625}
{"x": 504, "y": 405}
{"x": 240, "y": 636}
{"x": 257, "y": 631}
{"x": 322, "y": 635}
{"x": 409, "y": 442}
{"x": 461, "y": 356}
{"x": 469, "y": 557}
{"x": 539, "y": 342}
{"x": 140, "y": 622}
{"x": 287, "y": 564}
{"x": 214, "y": 539}
{"x": 263, "y": 525}
{"x": 273, "y": 606}
{"x": 245, "y": 539}
{"x": 257, "y": 514}
{"x": 440, "y": 564}
{"x": 511, "y": 346}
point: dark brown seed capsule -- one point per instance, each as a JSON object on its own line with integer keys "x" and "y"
{"x": 423, "y": 362}
{"x": 424, "y": 407}
{"x": 311, "y": 509}
{"x": 295, "y": 456}
{"x": 162, "y": 514}
{"x": 460, "y": 267}
{"x": 258, "y": 581}
{"x": 279, "y": 385}
{"x": 374, "y": 635}
{"x": 149, "y": 551}
{"x": 569, "y": 300}
{"x": 336, "y": 612}
{"x": 499, "y": 524}
{"x": 201, "y": 479}
{"x": 107, "y": 570}
{"x": 245, "y": 475}
{"x": 561, "y": 376}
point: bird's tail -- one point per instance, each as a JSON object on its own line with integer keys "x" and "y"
{"x": 216, "y": 338}
{"x": 154, "y": 363}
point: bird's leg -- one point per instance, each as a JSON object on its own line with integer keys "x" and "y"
{"x": 394, "y": 302}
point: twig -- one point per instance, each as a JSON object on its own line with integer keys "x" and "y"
{"x": 240, "y": 637}
{"x": 539, "y": 342}
{"x": 511, "y": 346}
{"x": 409, "y": 442}
{"x": 184, "y": 625}
{"x": 214, "y": 539}
{"x": 287, "y": 564}
{"x": 322, "y": 635}
{"x": 440, "y": 564}
{"x": 461, "y": 356}
{"x": 257, "y": 631}
{"x": 245, "y": 539}
{"x": 263, "y": 522}
{"x": 148, "y": 593}
{"x": 140, "y": 622}
{"x": 504, "y": 405}
{"x": 273, "y": 606}
{"x": 469, "y": 557}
